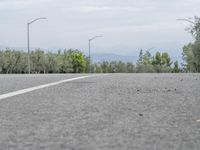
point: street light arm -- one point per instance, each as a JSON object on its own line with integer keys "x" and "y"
{"x": 188, "y": 20}
{"x": 89, "y": 51}
{"x": 37, "y": 20}
{"x": 95, "y": 38}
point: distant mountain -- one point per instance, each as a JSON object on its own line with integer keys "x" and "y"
{"x": 113, "y": 57}
{"x": 99, "y": 57}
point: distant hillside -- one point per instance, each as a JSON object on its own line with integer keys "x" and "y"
{"x": 99, "y": 57}
{"x": 113, "y": 57}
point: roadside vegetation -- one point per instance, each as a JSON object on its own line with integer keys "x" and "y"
{"x": 67, "y": 61}
{"x": 191, "y": 51}
{"x": 74, "y": 61}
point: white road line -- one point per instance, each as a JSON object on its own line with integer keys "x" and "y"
{"x": 11, "y": 94}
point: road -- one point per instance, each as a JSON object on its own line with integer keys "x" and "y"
{"x": 101, "y": 112}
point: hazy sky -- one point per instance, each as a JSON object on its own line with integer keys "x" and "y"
{"x": 127, "y": 25}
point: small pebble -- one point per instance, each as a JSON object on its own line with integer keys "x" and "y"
{"x": 141, "y": 115}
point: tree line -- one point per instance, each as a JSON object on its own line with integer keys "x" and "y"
{"x": 74, "y": 61}
{"x": 67, "y": 61}
{"x": 160, "y": 63}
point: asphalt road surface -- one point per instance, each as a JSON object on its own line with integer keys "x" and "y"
{"x": 100, "y": 112}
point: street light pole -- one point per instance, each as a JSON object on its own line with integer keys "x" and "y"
{"x": 90, "y": 51}
{"x": 28, "y": 41}
{"x": 89, "y": 56}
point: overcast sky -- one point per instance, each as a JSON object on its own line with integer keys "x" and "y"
{"x": 127, "y": 25}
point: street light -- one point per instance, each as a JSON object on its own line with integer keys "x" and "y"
{"x": 28, "y": 40}
{"x": 90, "y": 50}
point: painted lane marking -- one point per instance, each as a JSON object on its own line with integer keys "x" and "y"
{"x": 27, "y": 90}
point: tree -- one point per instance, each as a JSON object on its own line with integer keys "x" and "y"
{"x": 162, "y": 62}
{"x": 139, "y": 61}
{"x": 191, "y": 52}
{"x": 144, "y": 63}
{"x": 51, "y": 64}
{"x": 105, "y": 66}
{"x": 176, "y": 67}
{"x": 166, "y": 60}
{"x": 38, "y": 61}
{"x": 12, "y": 61}
{"x": 130, "y": 67}
{"x": 78, "y": 61}
{"x": 196, "y": 54}
{"x": 66, "y": 62}
{"x": 71, "y": 61}
{"x": 20, "y": 62}
{"x": 157, "y": 59}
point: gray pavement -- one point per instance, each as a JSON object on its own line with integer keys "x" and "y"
{"x": 113, "y": 112}
{"x": 9, "y": 83}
